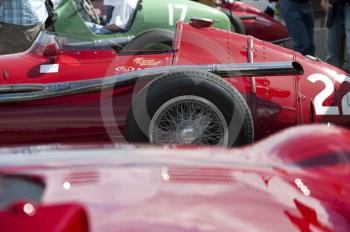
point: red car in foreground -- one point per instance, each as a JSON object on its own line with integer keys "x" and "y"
{"x": 212, "y": 87}
{"x": 280, "y": 184}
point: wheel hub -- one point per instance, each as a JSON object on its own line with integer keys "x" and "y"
{"x": 188, "y": 135}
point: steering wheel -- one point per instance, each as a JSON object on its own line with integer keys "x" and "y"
{"x": 90, "y": 10}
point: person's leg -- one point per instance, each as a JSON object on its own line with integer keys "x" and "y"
{"x": 28, "y": 34}
{"x": 14, "y": 38}
{"x": 292, "y": 14}
{"x": 97, "y": 29}
{"x": 335, "y": 43}
{"x": 347, "y": 29}
{"x": 21, "y": 37}
{"x": 4, "y": 45}
{"x": 308, "y": 18}
{"x": 109, "y": 13}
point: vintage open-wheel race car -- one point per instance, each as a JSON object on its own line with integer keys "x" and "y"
{"x": 212, "y": 87}
{"x": 73, "y": 16}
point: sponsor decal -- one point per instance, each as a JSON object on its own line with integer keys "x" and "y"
{"x": 141, "y": 61}
{"x": 124, "y": 69}
{"x": 49, "y": 68}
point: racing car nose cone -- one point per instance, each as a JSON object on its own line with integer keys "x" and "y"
{"x": 188, "y": 135}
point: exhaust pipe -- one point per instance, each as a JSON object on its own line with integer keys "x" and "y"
{"x": 21, "y": 88}
{"x": 259, "y": 69}
{"x": 29, "y": 92}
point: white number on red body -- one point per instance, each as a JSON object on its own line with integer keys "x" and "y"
{"x": 328, "y": 91}
{"x": 172, "y": 8}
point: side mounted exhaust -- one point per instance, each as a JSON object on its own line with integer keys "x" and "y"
{"x": 259, "y": 69}
{"x": 29, "y": 92}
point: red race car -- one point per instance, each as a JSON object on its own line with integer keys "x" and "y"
{"x": 281, "y": 184}
{"x": 213, "y": 87}
{"x": 258, "y": 23}
{"x": 247, "y": 19}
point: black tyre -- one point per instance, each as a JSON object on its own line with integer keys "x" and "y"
{"x": 153, "y": 39}
{"x": 189, "y": 108}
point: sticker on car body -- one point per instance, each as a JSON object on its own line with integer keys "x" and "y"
{"x": 124, "y": 69}
{"x": 141, "y": 61}
{"x": 49, "y": 68}
{"x": 183, "y": 12}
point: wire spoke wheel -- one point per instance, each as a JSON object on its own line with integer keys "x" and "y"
{"x": 188, "y": 120}
{"x": 189, "y": 107}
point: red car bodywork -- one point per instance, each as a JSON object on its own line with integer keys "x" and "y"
{"x": 38, "y": 105}
{"x": 258, "y": 23}
{"x": 280, "y": 184}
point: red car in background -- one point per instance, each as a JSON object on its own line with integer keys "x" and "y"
{"x": 258, "y": 23}
{"x": 280, "y": 184}
{"x": 248, "y": 20}
{"x": 213, "y": 87}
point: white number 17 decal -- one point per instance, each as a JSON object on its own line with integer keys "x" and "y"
{"x": 172, "y": 7}
{"x": 327, "y": 92}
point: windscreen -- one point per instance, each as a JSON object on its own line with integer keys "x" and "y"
{"x": 69, "y": 42}
{"x": 142, "y": 42}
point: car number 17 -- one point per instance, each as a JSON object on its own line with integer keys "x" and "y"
{"x": 328, "y": 90}
{"x": 172, "y": 8}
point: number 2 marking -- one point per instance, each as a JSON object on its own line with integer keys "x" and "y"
{"x": 323, "y": 95}
{"x": 327, "y": 92}
{"x": 172, "y": 7}
{"x": 345, "y": 102}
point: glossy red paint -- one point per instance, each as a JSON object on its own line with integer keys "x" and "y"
{"x": 24, "y": 216}
{"x": 318, "y": 95}
{"x": 258, "y": 23}
{"x": 284, "y": 100}
{"x": 279, "y": 184}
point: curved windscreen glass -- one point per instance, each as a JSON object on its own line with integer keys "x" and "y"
{"x": 68, "y": 42}
{"x": 65, "y": 42}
